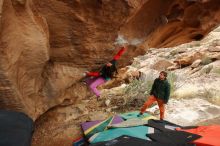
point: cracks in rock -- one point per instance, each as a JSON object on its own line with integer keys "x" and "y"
{"x": 8, "y": 97}
{"x": 197, "y": 37}
{"x": 45, "y": 75}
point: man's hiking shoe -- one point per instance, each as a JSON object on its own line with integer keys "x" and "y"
{"x": 98, "y": 98}
{"x": 140, "y": 114}
{"x": 83, "y": 81}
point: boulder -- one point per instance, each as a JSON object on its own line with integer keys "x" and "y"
{"x": 162, "y": 65}
{"x": 189, "y": 59}
{"x": 196, "y": 63}
{"x": 214, "y": 49}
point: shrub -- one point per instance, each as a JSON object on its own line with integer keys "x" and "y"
{"x": 134, "y": 95}
{"x": 207, "y": 69}
{"x": 133, "y": 87}
{"x": 206, "y": 60}
{"x": 216, "y": 70}
{"x": 210, "y": 94}
{"x": 172, "y": 78}
{"x": 197, "y": 44}
{"x": 135, "y": 64}
{"x": 174, "y": 52}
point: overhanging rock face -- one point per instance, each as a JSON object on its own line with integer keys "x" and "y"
{"x": 47, "y": 44}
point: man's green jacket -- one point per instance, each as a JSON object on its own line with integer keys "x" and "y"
{"x": 161, "y": 89}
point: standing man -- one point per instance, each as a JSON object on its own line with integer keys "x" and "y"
{"x": 160, "y": 92}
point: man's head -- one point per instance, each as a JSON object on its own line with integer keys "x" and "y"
{"x": 163, "y": 75}
{"x": 109, "y": 64}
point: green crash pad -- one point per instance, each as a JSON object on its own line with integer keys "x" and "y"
{"x": 139, "y": 132}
